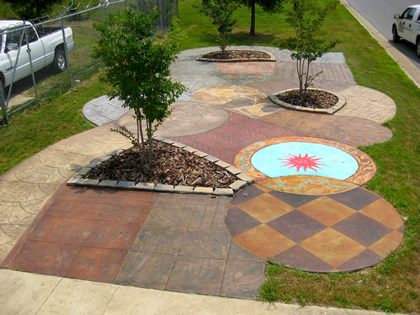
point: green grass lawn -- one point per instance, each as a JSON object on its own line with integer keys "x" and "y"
{"x": 393, "y": 284}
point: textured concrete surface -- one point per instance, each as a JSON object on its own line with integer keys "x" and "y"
{"x": 25, "y": 190}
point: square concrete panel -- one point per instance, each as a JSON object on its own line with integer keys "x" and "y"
{"x": 96, "y": 264}
{"x": 113, "y": 235}
{"x": 197, "y": 275}
{"x": 45, "y": 258}
{"x": 146, "y": 270}
{"x": 243, "y": 279}
{"x": 206, "y": 244}
{"x": 159, "y": 240}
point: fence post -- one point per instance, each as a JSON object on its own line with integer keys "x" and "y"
{"x": 66, "y": 50}
{"x": 30, "y": 59}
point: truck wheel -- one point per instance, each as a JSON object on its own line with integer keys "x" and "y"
{"x": 395, "y": 36}
{"x": 418, "y": 47}
{"x": 59, "y": 63}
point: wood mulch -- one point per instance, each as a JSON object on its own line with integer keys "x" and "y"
{"x": 172, "y": 166}
{"x": 310, "y": 99}
{"x": 237, "y": 54}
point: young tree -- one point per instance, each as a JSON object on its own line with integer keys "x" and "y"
{"x": 266, "y": 5}
{"x": 221, "y": 11}
{"x": 306, "y": 18}
{"x": 138, "y": 69}
{"x": 31, "y": 9}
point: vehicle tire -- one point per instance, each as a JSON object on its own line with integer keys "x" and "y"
{"x": 2, "y": 91}
{"x": 418, "y": 47}
{"x": 59, "y": 63}
{"x": 395, "y": 36}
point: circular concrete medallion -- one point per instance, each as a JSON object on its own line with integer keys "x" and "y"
{"x": 339, "y": 232}
{"x": 305, "y": 156}
{"x": 307, "y": 185}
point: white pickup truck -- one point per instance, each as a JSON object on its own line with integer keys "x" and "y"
{"x": 46, "y": 47}
{"x": 407, "y": 26}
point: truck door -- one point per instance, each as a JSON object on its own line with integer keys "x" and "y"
{"x": 15, "y": 56}
{"x": 406, "y": 25}
{"x": 21, "y": 56}
{"x": 36, "y": 49}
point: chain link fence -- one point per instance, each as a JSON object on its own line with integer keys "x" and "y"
{"x": 39, "y": 60}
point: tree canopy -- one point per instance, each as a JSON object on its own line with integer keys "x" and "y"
{"x": 31, "y": 9}
{"x": 138, "y": 69}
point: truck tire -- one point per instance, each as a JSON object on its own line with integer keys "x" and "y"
{"x": 59, "y": 63}
{"x": 3, "y": 93}
{"x": 395, "y": 36}
{"x": 418, "y": 47}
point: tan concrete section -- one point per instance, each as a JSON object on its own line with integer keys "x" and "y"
{"x": 26, "y": 293}
{"x": 405, "y": 63}
{"x": 367, "y": 103}
{"x": 25, "y": 189}
{"x": 243, "y": 100}
{"x": 79, "y": 297}
{"x": 187, "y": 118}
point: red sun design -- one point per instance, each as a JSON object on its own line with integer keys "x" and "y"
{"x": 304, "y": 162}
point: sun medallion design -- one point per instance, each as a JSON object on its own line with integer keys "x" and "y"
{"x": 305, "y": 162}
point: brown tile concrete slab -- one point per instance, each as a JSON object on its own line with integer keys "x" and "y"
{"x": 317, "y": 233}
{"x": 96, "y": 264}
{"x": 225, "y": 142}
{"x": 354, "y": 131}
{"x": 245, "y": 67}
{"x": 84, "y": 233}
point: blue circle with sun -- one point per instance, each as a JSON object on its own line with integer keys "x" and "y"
{"x": 304, "y": 158}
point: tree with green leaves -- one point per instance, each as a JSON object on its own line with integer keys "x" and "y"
{"x": 266, "y": 5}
{"x": 31, "y": 9}
{"x": 306, "y": 18}
{"x": 221, "y": 11}
{"x": 138, "y": 69}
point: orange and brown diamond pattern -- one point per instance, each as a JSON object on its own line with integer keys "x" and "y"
{"x": 318, "y": 233}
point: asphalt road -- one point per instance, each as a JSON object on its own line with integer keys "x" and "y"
{"x": 380, "y": 14}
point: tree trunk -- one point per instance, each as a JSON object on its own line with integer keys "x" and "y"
{"x": 252, "y": 29}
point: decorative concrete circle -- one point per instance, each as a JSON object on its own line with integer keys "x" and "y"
{"x": 307, "y": 185}
{"x": 340, "y": 232}
{"x": 300, "y": 158}
{"x": 305, "y": 156}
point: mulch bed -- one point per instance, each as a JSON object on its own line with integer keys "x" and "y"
{"x": 310, "y": 99}
{"x": 172, "y": 166}
{"x": 236, "y": 54}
